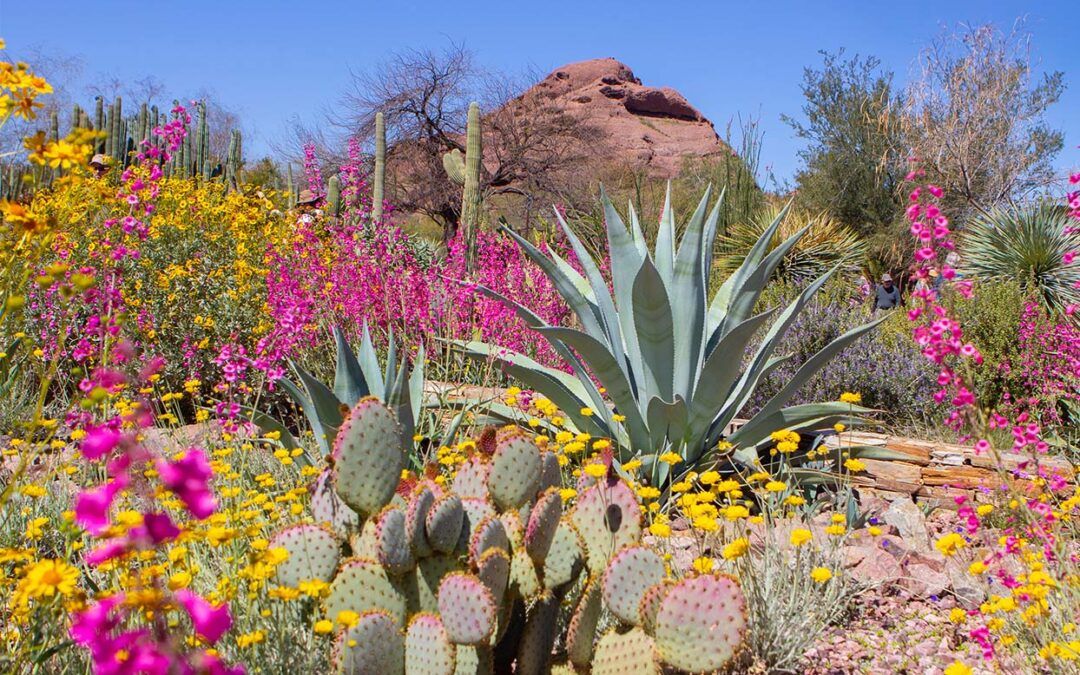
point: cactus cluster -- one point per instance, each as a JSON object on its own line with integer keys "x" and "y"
{"x": 475, "y": 575}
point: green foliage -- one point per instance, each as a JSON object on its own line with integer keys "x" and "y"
{"x": 991, "y": 321}
{"x": 1027, "y": 243}
{"x": 826, "y": 244}
{"x": 357, "y": 375}
{"x": 668, "y": 351}
{"x": 850, "y": 164}
{"x": 483, "y": 579}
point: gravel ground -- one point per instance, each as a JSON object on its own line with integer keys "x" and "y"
{"x": 892, "y": 632}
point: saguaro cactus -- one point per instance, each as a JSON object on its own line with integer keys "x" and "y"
{"x": 470, "y": 196}
{"x": 99, "y": 122}
{"x": 377, "y": 195}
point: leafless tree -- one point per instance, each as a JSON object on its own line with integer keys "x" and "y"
{"x": 975, "y": 116}
{"x": 530, "y": 147}
{"x": 147, "y": 89}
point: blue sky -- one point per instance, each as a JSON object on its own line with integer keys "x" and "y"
{"x": 272, "y": 60}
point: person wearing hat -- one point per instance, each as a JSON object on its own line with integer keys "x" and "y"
{"x": 886, "y": 294}
{"x": 100, "y": 164}
{"x": 307, "y": 205}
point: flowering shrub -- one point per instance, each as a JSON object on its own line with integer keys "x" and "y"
{"x": 195, "y": 282}
{"x": 350, "y": 272}
{"x": 1030, "y": 567}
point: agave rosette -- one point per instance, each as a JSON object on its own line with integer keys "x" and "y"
{"x": 668, "y": 352}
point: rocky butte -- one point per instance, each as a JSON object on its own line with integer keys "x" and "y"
{"x": 651, "y": 128}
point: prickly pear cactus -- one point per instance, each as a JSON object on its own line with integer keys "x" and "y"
{"x": 515, "y": 471}
{"x": 629, "y": 575}
{"x": 468, "y": 609}
{"x": 488, "y": 573}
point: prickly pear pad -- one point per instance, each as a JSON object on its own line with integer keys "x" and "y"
{"x": 361, "y": 586}
{"x": 701, "y": 623}
{"x": 470, "y": 482}
{"x": 650, "y": 603}
{"x": 467, "y": 609}
{"x": 564, "y": 558}
{"x": 368, "y": 457}
{"x": 374, "y": 646}
{"x": 427, "y": 648}
{"x": 489, "y": 533}
{"x": 543, "y": 521}
{"x": 629, "y": 653}
{"x": 313, "y": 554}
{"x": 494, "y": 570}
{"x": 515, "y": 471}
{"x": 608, "y": 518}
{"x": 444, "y": 523}
{"x": 581, "y": 632}
{"x": 423, "y": 498}
{"x": 391, "y": 542}
{"x": 327, "y": 508}
{"x": 629, "y": 575}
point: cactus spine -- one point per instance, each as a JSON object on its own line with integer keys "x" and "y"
{"x": 470, "y": 196}
{"x": 377, "y": 194}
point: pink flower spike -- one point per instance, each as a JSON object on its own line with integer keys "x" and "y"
{"x": 106, "y": 552}
{"x": 210, "y": 621}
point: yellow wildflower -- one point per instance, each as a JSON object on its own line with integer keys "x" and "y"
{"x": 800, "y": 536}
{"x": 821, "y": 574}
{"x": 736, "y": 549}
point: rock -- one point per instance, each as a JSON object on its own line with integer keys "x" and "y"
{"x": 969, "y": 593}
{"x": 872, "y": 564}
{"x": 909, "y": 521}
{"x": 923, "y": 580}
{"x": 640, "y": 127}
{"x": 664, "y": 102}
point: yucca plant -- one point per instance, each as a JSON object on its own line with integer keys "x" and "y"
{"x": 356, "y": 375}
{"x": 668, "y": 352}
{"x": 1027, "y": 243}
{"x": 825, "y": 244}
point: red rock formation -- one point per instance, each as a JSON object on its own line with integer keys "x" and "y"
{"x": 644, "y": 127}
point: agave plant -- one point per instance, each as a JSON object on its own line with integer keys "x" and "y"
{"x": 356, "y": 375}
{"x": 1028, "y": 243}
{"x": 669, "y": 352}
{"x": 826, "y": 244}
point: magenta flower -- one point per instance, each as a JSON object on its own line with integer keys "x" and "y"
{"x": 95, "y": 621}
{"x": 107, "y": 551}
{"x": 160, "y": 527}
{"x": 210, "y": 621}
{"x": 99, "y": 441}
{"x": 188, "y": 478}
{"x": 92, "y": 505}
